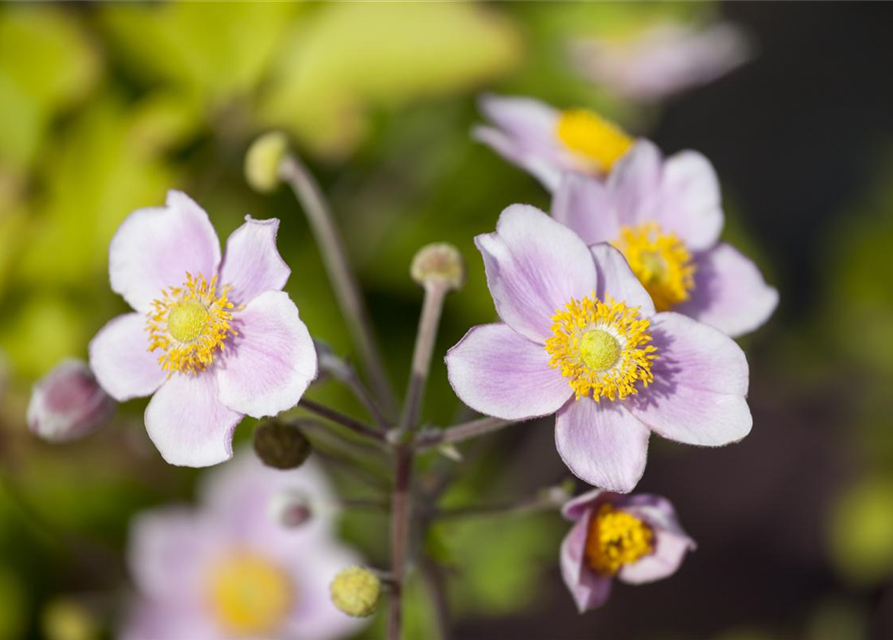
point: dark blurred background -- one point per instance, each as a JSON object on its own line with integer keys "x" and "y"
{"x": 104, "y": 107}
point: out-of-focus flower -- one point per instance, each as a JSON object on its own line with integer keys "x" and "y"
{"x": 635, "y": 538}
{"x": 356, "y": 591}
{"x": 580, "y": 336}
{"x": 665, "y": 216}
{"x": 213, "y": 339}
{"x": 547, "y": 142}
{"x": 68, "y": 403}
{"x": 225, "y": 570}
{"x": 662, "y": 60}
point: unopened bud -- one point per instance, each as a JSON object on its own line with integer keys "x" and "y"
{"x": 263, "y": 160}
{"x": 356, "y": 591}
{"x": 290, "y": 509}
{"x": 68, "y": 403}
{"x": 438, "y": 262}
{"x": 66, "y": 619}
{"x": 280, "y": 445}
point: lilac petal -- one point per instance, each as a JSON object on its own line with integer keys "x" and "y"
{"x": 669, "y": 551}
{"x": 583, "y": 204}
{"x": 575, "y": 508}
{"x": 539, "y": 160}
{"x": 589, "y": 589}
{"x": 602, "y": 443}
{"x": 188, "y": 424}
{"x": 729, "y": 292}
{"x": 616, "y": 279}
{"x": 634, "y": 184}
{"x": 271, "y": 362}
{"x": 154, "y": 620}
{"x": 252, "y": 263}
{"x": 534, "y": 266}
{"x": 155, "y": 248}
{"x": 690, "y": 201}
{"x": 121, "y": 360}
{"x": 523, "y": 118}
{"x": 700, "y": 384}
{"x": 501, "y": 373}
{"x": 168, "y": 551}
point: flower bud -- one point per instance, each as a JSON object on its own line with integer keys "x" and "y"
{"x": 280, "y": 445}
{"x": 65, "y": 619}
{"x": 356, "y": 591}
{"x": 68, "y": 403}
{"x": 290, "y": 509}
{"x": 438, "y": 262}
{"x": 263, "y": 159}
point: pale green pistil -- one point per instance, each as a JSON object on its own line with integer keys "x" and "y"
{"x": 187, "y": 320}
{"x": 599, "y": 349}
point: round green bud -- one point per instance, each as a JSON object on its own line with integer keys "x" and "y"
{"x": 263, "y": 160}
{"x": 439, "y": 262}
{"x": 356, "y": 591}
{"x": 280, "y": 445}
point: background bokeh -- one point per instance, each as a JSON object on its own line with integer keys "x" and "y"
{"x": 103, "y": 107}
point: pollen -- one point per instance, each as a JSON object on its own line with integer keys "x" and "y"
{"x": 249, "y": 595}
{"x": 616, "y": 538}
{"x": 602, "y": 347}
{"x": 190, "y": 324}
{"x": 588, "y": 134}
{"x": 660, "y": 261}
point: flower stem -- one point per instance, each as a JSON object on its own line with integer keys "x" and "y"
{"x": 460, "y": 432}
{"x": 345, "y": 421}
{"x": 345, "y": 373}
{"x": 340, "y": 274}
{"x": 400, "y": 515}
{"x": 545, "y": 500}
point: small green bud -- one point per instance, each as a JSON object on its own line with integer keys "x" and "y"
{"x": 281, "y": 445}
{"x": 65, "y": 619}
{"x": 439, "y": 262}
{"x": 263, "y": 159}
{"x": 356, "y": 591}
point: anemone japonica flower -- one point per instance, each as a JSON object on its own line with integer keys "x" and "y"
{"x": 662, "y": 60}
{"x": 580, "y": 336}
{"x": 665, "y": 216}
{"x": 226, "y": 570}
{"x": 634, "y": 538}
{"x": 213, "y": 339}
{"x": 547, "y": 142}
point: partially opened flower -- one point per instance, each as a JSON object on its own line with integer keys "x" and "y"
{"x": 225, "y": 570}
{"x": 547, "y": 142}
{"x": 68, "y": 403}
{"x": 665, "y": 216}
{"x": 636, "y": 539}
{"x": 580, "y": 336}
{"x": 662, "y": 60}
{"x": 213, "y": 339}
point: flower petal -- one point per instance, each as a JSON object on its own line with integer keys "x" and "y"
{"x": 671, "y": 541}
{"x": 522, "y": 118}
{"x": 690, "y": 201}
{"x": 575, "y": 508}
{"x": 616, "y": 279}
{"x": 700, "y": 384}
{"x": 729, "y": 292}
{"x": 252, "y": 263}
{"x": 537, "y": 159}
{"x": 634, "y": 184}
{"x": 155, "y": 248}
{"x": 271, "y": 362}
{"x": 588, "y": 589}
{"x": 121, "y": 360}
{"x": 188, "y": 424}
{"x": 583, "y": 204}
{"x": 534, "y": 266}
{"x": 501, "y": 373}
{"x": 602, "y": 443}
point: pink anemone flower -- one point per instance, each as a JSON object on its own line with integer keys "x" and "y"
{"x": 580, "y": 337}
{"x": 665, "y": 216}
{"x": 225, "y": 570}
{"x": 636, "y": 539}
{"x": 211, "y": 339}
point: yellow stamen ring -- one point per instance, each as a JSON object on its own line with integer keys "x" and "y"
{"x": 616, "y": 538}
{"x": 602, "y": 347}
{"x": 250, "y": 595}
{"x": 190, "y": 324}
{"x": 599, "y": 141}
{"x": 660, "y": 261}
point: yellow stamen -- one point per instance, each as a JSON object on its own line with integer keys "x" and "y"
{"x": 249, "y": 595}
{"x": 602, "y": 347}
{"x": 590, "y": 135}
{"x": 660, "y": 261}
{"x": 616, "y": 538}
{"x": 190, "y": 324}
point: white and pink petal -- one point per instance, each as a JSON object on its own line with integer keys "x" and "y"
{"x": 121, "y": 360}
{"x": 617, "y": 280}
{"x": 252, "y": 264}
{"x": 583, "y": 203}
